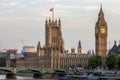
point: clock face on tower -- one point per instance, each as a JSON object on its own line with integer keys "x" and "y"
{"x": 102, "y": 31}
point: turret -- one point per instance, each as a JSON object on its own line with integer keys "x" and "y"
{"x": 60, "y": 31}
{"x": 115, "y": 43}
{"x": 49, "y": 21}
{"x": 92, "y": 52}
{"x": 59, "y": 23}
{"x": 101, "y": 14}
{"x": 46, "y": 22}
{"x": 56, "y": 21}
{"x": 38, "y": 46}
{"x": 53, "y": 35}
{"x": 72, "y": 50}
{"x": 79, "y": 48}
{"x": 101, "y": 19}
{"x": 119, "y": 43}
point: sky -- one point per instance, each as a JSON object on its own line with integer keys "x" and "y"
{"x": 22, "y": 22}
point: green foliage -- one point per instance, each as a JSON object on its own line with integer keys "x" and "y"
{"x": 118, "y": 62}
{"x": 98, "y": 60}
{"x": 111, "y": 61}
{"x": 91, "y": 62}
{"x": 2, "y": 61}
{"x": 95, "y": 61}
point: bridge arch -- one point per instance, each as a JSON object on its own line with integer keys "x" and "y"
{"x": 31, "y": 70}
{"x": 7, "y": 70}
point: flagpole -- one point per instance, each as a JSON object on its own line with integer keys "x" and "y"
{"x": 52, "y": 10}
{"x": 53, "y": 14}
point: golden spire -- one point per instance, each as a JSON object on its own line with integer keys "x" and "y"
{"x": 79, "y": 44}
{"x": 101, "y": 19}
{"x": 101, "y": 10}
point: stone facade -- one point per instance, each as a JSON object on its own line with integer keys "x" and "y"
{"x": 101, "y": 33}
{"x": 53, "y": 54}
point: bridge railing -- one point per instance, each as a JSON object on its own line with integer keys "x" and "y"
{"x": 18, "y": 69}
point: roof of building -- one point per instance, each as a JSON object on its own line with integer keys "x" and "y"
{"x": 19, "y": 56}
{"x": 115, "y": 48}
{"x": 3, "y": 54}
{"x": 28, "y": 47}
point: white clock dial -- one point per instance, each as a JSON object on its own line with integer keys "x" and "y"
{"x": 102, "y": 30}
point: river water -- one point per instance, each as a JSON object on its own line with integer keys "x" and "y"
{"x": 3, "y": 77}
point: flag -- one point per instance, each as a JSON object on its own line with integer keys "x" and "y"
{"x": 51, "y": 9}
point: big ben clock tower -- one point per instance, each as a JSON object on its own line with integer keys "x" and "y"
{"x": 101, "y": 31}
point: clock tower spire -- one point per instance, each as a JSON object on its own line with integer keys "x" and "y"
{"x": 101, "y": 31}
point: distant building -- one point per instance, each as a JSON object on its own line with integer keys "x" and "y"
{"x": 3, "y": 54}
{"x": 115, "y": 49}
{"x": 11, "y": 59}
{"x": 12, "y": 51}
{"x": 28, "y": 49}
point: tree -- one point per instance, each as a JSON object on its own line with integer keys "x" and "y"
{"x": 98, "y": 60}
{"x": 91, "y": 62}
{"x": 2, "y": 61}
{"x": 118, "y": 62}
{"x": 111, "y": 61}
{"x": 95, "y": 61}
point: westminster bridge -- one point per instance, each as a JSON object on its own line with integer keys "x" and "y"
{"x": 38, "y": 73}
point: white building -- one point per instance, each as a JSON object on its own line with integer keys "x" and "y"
{"x": 28, "y": 49}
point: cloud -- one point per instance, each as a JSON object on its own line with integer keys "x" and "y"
{"x": 12, "y": 4}
{"x": 8, "y": 4}
{"x": 111, "y": 1}
{"x": 115, "y": 11}
{"x": 90, "y": 7}
{"x": 34, "y": 12}
{"x": 3, "y": 0}
{"x": 76, "y": 7}
{"x": 22, "y": 6}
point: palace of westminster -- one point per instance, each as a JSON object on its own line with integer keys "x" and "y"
{"x": 54, "y": 55}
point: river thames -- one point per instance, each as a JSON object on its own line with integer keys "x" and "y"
{"x": 3, "y": 77}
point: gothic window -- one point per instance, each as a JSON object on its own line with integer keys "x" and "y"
{"x": 53, "y": 39}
